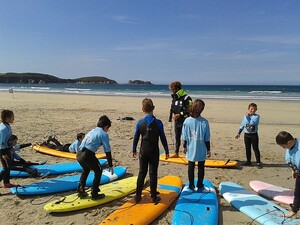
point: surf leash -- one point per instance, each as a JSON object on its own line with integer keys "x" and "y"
{"x": 40, "y": 203}
{"x": 191, "y": 216}
{"x": 284, "y": 217}
{"x": 274, "y": 210}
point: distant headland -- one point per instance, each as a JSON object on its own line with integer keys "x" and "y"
{"x": 40, "y": 78}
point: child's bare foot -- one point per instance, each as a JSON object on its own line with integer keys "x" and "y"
{"x": 290, "y": 215}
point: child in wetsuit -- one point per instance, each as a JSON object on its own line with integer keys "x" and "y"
{"x": 17, "y": 162}
{"x": 7, "y": 117}
{"x": 87, "y": 159}
{"x": 151, "y": 129}
{"x": 292, "y": 157}
{"x": 250, "y": 127}
{"x": 53, "y": 143}
{"x": 196, "y": 143}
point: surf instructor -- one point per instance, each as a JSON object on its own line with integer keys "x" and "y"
{"x": 179, "y": 111}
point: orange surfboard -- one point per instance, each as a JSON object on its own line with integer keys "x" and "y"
{"x": 144, "y": 212}
{"x": 69, "y": 155}
{"x": 208, "y": 163}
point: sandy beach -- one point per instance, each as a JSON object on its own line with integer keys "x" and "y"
{"x": 39, "y": 115}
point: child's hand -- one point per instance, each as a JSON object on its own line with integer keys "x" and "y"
{"x": 208, "y": 154}
{"x": 176, "y": 116}
{"x": 134, "y": 154}
{"x": 237, "y": 136}
{"x": 5, "y": 157}
{"x": 294, "y": 175}
{"x": 184, "y": 150}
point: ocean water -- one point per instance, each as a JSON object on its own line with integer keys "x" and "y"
{"x": 255, "y": 92}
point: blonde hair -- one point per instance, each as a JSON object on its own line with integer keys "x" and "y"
{"x": 196, "y": 108}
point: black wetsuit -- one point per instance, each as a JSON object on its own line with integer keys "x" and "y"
{"x": 151, "y": 129}
{"x": 180, "y": 105}
{"x": 57, "y": 145}
{"x": 21, "y": 165}
{"x": 5, "y": 173}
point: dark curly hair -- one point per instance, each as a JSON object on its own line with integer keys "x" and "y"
{"x": 104, "y": 121}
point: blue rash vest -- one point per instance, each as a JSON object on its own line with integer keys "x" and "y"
{"x": 5, "y": 133}
{"x": 196, "y": 132}
{"x": 293, "y": 155}
{"x": 74, "y": 146}
{"x": 94, "y": 139}
{"x": 249, "y": 124}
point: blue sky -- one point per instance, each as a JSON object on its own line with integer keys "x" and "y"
{"x": 193, "y": 41}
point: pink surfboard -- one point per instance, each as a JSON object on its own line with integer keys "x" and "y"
{"x": 277, "y": 193}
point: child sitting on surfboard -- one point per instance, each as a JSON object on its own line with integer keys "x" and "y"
{"x": 17, "y": 162}
{"x": 94, "y": 139}
{"x": 292, "y": 157}
{"x": 53, "y": 143}
{"x": 151, "y": 129}
{"x": 250, "y": 127}
{"x": 7, "y": 117}
{"x": 196, "y": 143}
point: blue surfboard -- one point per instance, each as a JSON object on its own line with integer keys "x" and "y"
{"x": 53, "y": 169}
{"x": 66, "y": 183}
{"x": 256, "y": 207}
{"x": 197, "y": 207}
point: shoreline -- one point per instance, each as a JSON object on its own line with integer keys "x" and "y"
{"x": 39, "y": 115}
{"x": 230, "y": 92}
{"x": 166, "y": 96}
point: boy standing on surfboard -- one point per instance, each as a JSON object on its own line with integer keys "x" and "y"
{"x": 87, "y": 159}
{"x": 250, "y": 127}
{"x": 151, "y": 129}
{"x": 196, "y": 142}
{"x": 292, "y": 157}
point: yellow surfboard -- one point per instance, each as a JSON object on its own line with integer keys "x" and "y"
{"x": 144, "y": 212}
{"x": 208, "y": 163}
{"x": 69, "y": 155}
{"x": 112, "y": 191}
